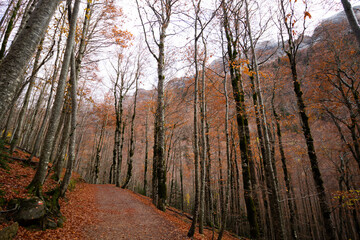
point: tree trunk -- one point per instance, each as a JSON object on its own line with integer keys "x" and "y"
{"x": 9, "y": 29}
{"x": 228, "y": 161}
{"x": 37, "y": 136}
{"x": 203, "y": 140}
{"x": 287, "y": 179}
{"x": 146, "y": 153}
{"x": 71, "y": 152}
{"x": 40, "y": 174}
{"x": 196, "y": 139}
{"x": 18, "y": 57}
{"x": 6, "y": 13}
{"x": 242, "y": 122}
{"x": 159, "y": 156}
{"x": 291, "y": 51}
{"x": 325, "y": 209}
{"x": 352, "y": 19}
{"x": 19, "y": 129}
{"x": 63, "y": 146}
{"x": 132, "y": 143}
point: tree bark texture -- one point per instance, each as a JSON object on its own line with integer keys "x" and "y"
{"x": 21, "y": 51}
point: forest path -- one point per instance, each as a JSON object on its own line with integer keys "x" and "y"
{"x": 123, "y": 215}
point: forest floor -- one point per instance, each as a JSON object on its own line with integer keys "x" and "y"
{"x": 97, "y": 211}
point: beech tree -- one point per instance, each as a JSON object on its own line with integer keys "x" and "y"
{"x": 131, "y": 152}
{"x": 39, "y": 177}
{"x": 14, "y": 63}
{"x": 291, "y": 46}
{"x": 241, "y": 117}
{"x": 353, "y": 21}
{"x": 162, "y": 12}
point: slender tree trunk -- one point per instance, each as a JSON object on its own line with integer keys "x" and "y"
{"x": 182, "y": 186}
{"x": 9, "y": 29}
{"x": 63, "y": 146}
{"x": 196, "y": 140}
{"x": 98, "y": 150}
{"x": 40, "y": 174}
{"x": 71, "y": 152}
{"x": 287, "y": 179}
{"x": 291, "y": 51}
{"x": 279, "y": 227}
{"x": 221, "y": 185}
{"x": 37, "y": 136}
{"x": 325, "y": 209}
{"x": 208, "y": 189}
{"x": 6, "y": 13}
{"x": 242, "y": 122}
{"x": 204, "y": 142}
{"x": 146, "y": 153}
{"x": 159, "y": 165}
{"x": 27, "y": 140}
{"x": 132, "y": 143}
{"x": 228, "y": 161}
{"x": 120, "y": 154}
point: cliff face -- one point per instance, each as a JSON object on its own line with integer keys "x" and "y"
{"x": 267, "y": 48}
{"x": 339, "y": 21}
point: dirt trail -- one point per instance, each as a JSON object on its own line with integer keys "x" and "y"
{"x": 121, "y": 215}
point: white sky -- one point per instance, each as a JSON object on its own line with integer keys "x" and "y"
{"x": 319, "y": 9}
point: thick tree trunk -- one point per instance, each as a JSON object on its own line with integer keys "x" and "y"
{"x": 352, "y": 19}
{"x": 19, "y": 129}
{"x": 26, "y": 15}
{"x": 159, "y": 149}
{"x": 21, "y": 51}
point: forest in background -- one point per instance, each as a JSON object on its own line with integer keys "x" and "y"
{"x": 258, "y": 136}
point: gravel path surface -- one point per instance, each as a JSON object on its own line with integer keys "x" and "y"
{"x": 122, "y": 216}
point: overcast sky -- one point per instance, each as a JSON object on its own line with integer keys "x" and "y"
{"x": 319, "y": 9}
